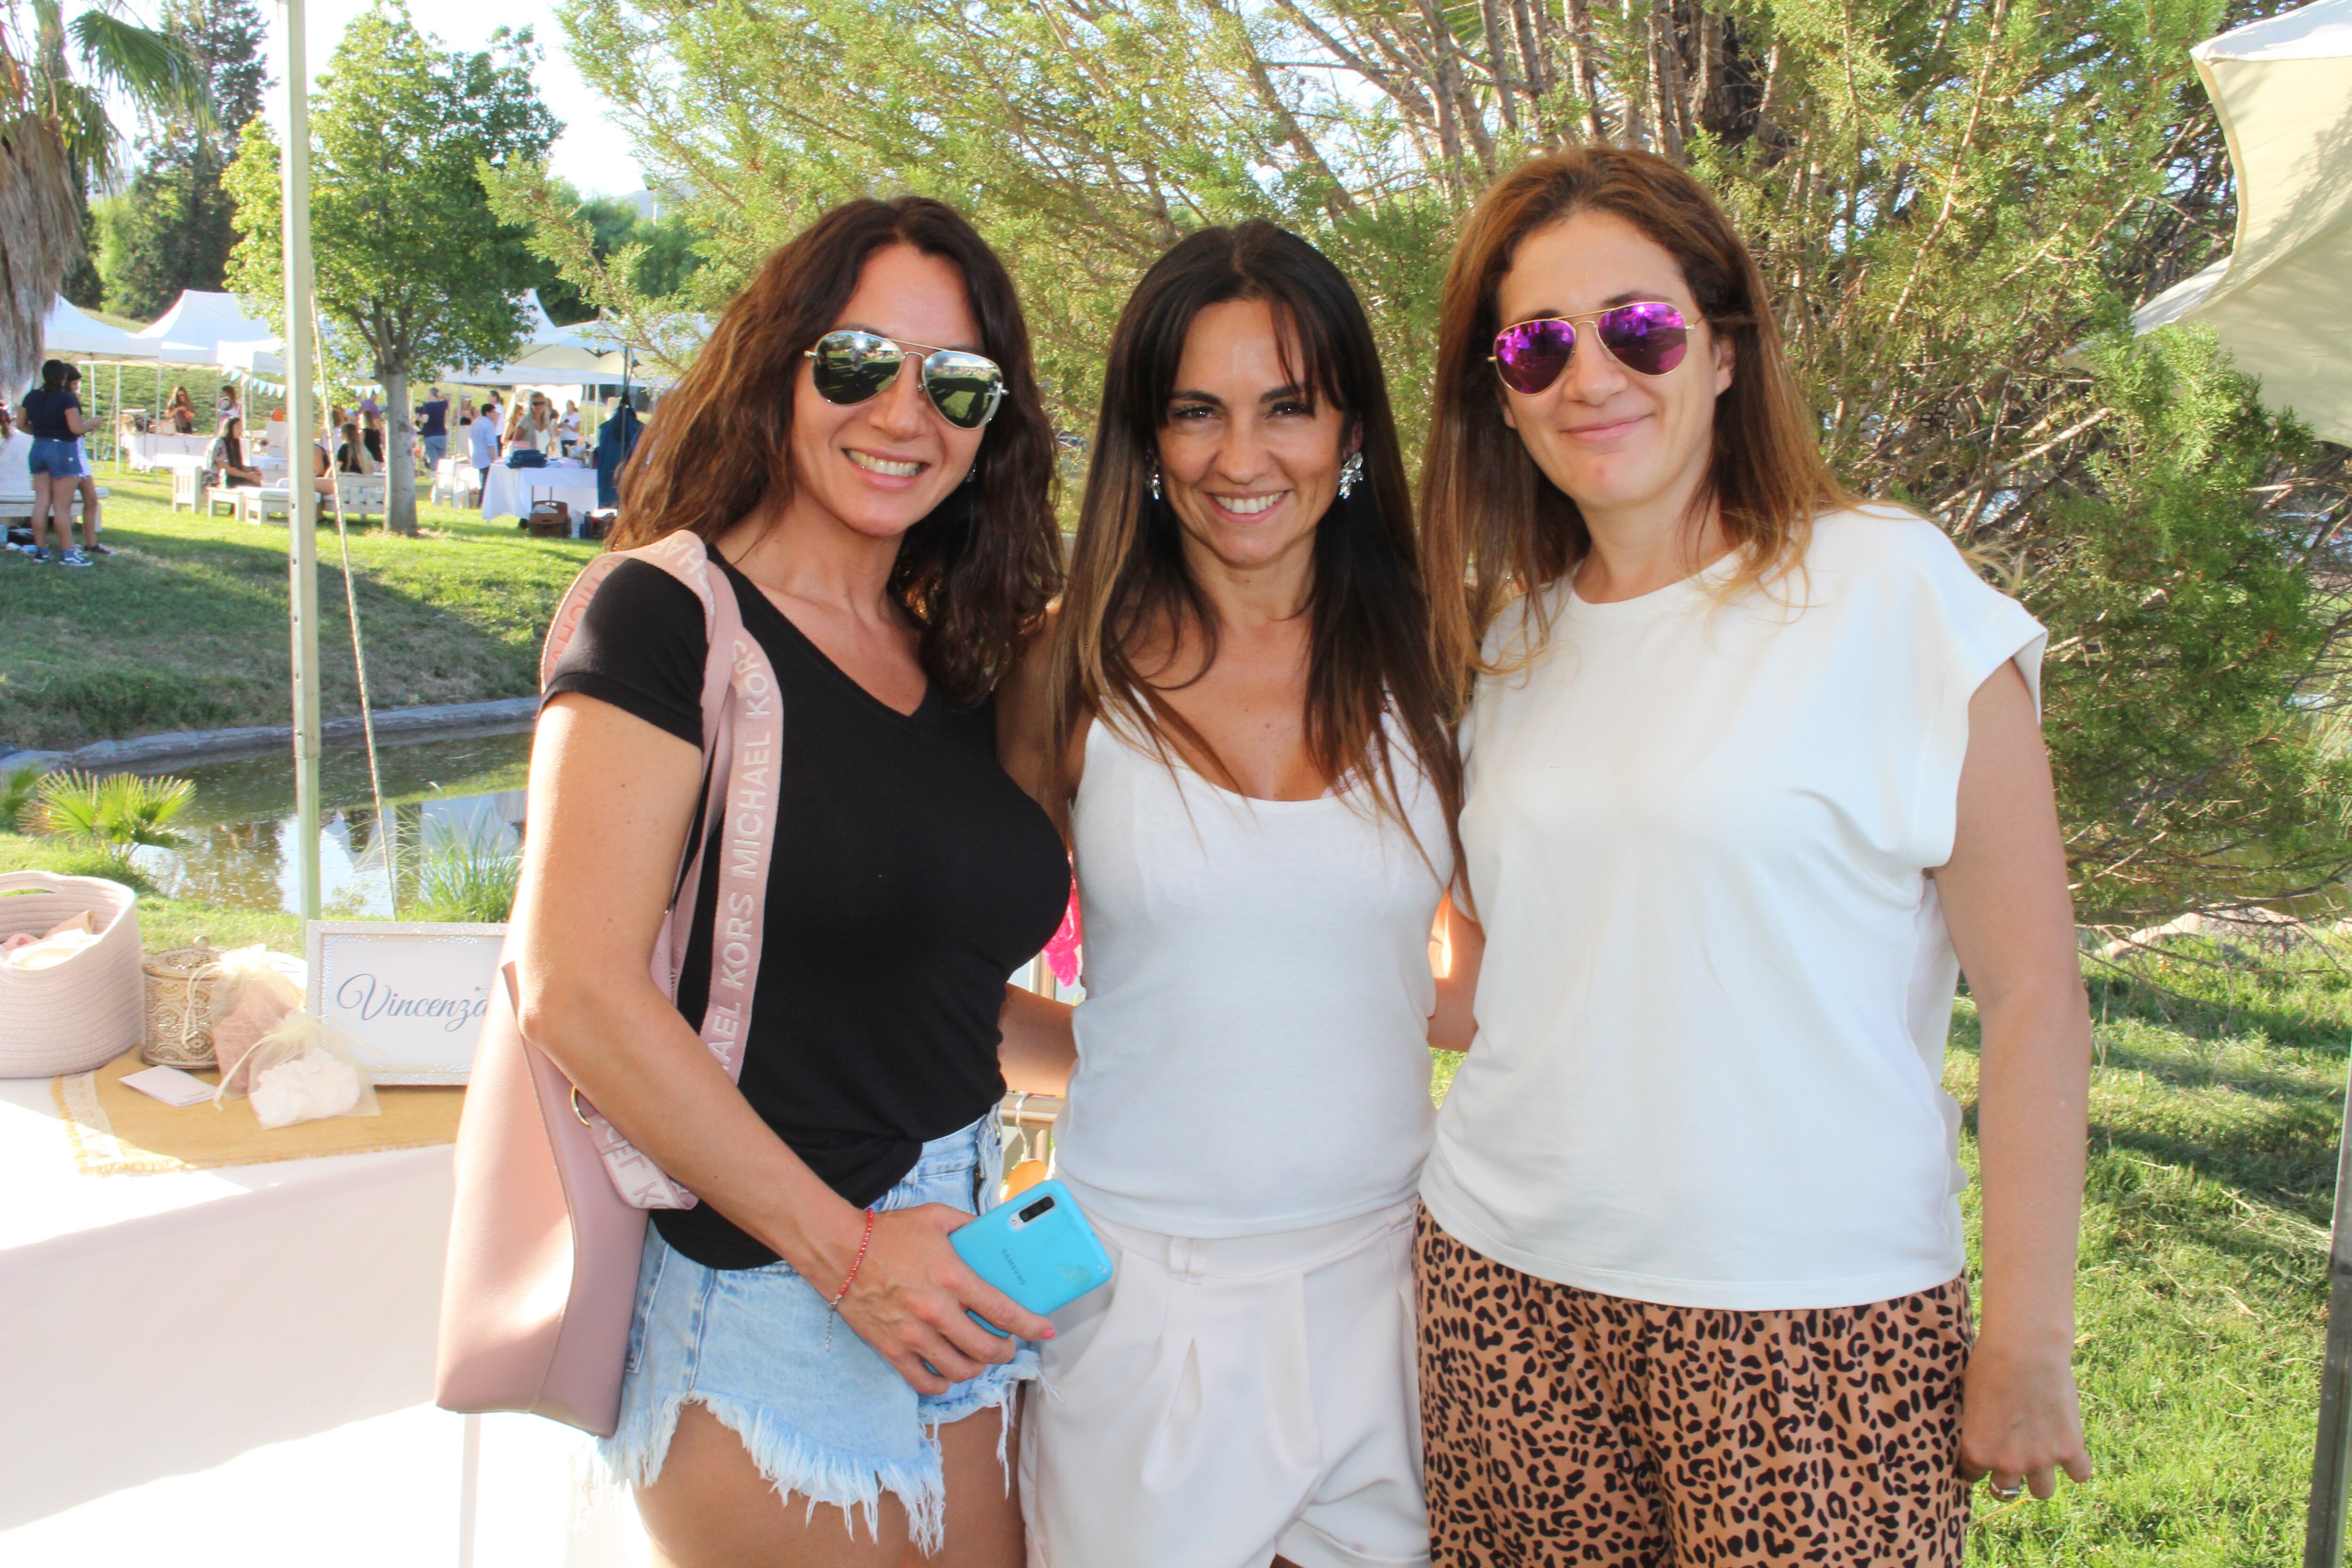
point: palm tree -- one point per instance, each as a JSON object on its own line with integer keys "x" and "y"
{"x": 57, "y": 140}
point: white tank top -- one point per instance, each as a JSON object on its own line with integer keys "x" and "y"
{"x": 1253, "y": 1048}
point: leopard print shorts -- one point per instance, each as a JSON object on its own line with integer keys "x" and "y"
{"x": 1562, "y": 1426}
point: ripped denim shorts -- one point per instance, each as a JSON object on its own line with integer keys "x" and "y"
{"x": 828, "y": 1425}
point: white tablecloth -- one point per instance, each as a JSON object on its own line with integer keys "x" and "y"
{"x": 144, "y": 449}
{"x": 508, "y": 492}
{"x": 235, "y": 1367}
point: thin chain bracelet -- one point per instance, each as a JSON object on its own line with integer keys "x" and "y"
{"x": 833, "y": 1307}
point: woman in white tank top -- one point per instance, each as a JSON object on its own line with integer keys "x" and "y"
{"x": 1239, "y": 721}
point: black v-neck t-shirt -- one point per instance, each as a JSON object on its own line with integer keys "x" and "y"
{"x": 910, "y": 878}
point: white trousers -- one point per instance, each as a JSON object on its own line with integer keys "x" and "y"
{"x": 1224, "y": 1400}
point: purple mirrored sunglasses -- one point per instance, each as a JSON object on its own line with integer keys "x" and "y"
{"x": 1647, "y": 336}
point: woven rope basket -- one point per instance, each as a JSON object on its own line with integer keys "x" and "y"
{"x": 180, "y": 1006}
{"x": 82, "y": 1014}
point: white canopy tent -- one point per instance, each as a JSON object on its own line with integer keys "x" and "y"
{"x": 206, "y": 322}
{"x": 552, "y": 356}
{"x": 69, "y": 333}
{"x": 2281, "y": 301}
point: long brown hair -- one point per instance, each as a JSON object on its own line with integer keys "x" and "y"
{"x": 1369, "y": 649}
{"x": 1490, "y": 519}
{"x": 976, "y": 574}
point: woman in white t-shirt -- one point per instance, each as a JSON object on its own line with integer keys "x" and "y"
{"x": 1748, "y": 763}
{"x": 1230, "y": 719}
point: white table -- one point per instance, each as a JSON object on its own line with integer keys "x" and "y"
{"x": 235, "y": 1367}
{"x": 508, "y": 492}
{"x": 145, "y": 450}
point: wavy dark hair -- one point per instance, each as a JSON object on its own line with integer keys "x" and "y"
{"x": 975, "y": 575}
{"x": 1368, "y": 644}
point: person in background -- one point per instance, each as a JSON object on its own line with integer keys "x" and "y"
{"x": 368, "y": 404}
{"x": 371, "y": 432}
{"x": 16, "y": 447}
{"x": 225, "y": 464}
{"x": 351, "y": 454}
{"x": 89, "y": 503}
{"x": 53, "y": 415}
{"x": 482, "y": 438}
{"x": 181, "y": 412}
{"x": 616, "y": 439}
{"x": 323, "y": 470}
{"x": 495, "y": 411}
{"x": 533, "y": 427}
{"x": 433, "y": 428}
{"x": 228, "y": 404}
{"x": 567, "y": 428}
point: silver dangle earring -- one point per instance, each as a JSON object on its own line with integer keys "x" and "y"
{"x": 1155, "y": 481}
{"x": 1350, "y": 472}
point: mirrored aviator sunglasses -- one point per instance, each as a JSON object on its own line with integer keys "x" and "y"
{"x": 852, "y": 367}
{"x": 1647, "y": 337}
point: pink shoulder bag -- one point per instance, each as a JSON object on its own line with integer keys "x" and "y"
{"x": 549, "y": 1217}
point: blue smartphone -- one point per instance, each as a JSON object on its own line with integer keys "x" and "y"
{"x": 1037, "y": 1248}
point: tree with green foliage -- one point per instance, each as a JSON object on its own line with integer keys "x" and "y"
{"x": 641, "y": 281}
{"x": 58, "y": 142}
{"x": 170, "y": 229}
{"x": 1950, "y": 200}
{"x": 416, "y": 274}
{"x": 660, "y": 254}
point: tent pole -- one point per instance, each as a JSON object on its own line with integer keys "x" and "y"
{"x": 2331, "y": 1464}
{"x": 118, "y": 418}
{"x": 302, "y": 497}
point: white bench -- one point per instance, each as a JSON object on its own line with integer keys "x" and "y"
{"x": 358, "y": 495}
{"x": 16, "y": 482}
{"x": 361, "y": 495}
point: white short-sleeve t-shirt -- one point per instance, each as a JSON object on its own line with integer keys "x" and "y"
{"x": 1717, "y": 984}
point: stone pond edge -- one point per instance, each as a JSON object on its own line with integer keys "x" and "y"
{"x": 183, "y": 746}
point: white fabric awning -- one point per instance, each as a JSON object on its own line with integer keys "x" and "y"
{"x": 204, "y": 322}
{"x": 69, "y": 333}
{"x": 2281, "y": 301}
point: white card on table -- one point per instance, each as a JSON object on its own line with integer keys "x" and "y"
{"x": 168, "y": 1085}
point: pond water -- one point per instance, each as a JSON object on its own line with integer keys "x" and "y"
{"x": 240, "y": 828}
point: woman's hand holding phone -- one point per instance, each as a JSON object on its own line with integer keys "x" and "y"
{"x": 911, "y": 1293}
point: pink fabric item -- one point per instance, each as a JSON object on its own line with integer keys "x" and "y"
{"x": 550, "y": 1205}
{"x": 258, "y": 1011}
{"x": 1062, "y": 951}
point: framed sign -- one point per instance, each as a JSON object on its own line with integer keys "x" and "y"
{"x": 412, "y": 994}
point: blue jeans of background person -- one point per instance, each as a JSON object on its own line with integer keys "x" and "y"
{"x": 434, "y": 447}
{"x": 61, "y": 460}
{"x": 823, "y": 1415}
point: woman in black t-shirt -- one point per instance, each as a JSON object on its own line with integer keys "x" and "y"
{"x": 862, "y": 448}
{"x": 53, "y": 417}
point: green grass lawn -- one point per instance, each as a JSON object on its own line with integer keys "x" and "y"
{"x": 185, "y": 628}
{"x": 163, "y": 922}
{"x": 2214, "y": 1114}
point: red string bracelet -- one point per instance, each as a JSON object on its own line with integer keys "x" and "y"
{"x": 833, "y": 1307}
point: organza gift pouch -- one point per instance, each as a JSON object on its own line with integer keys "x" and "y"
{"x": 250, "y": 997}
{"x": 304, "y": 1069}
